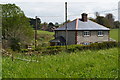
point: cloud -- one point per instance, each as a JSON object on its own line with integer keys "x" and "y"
{"x": 41, "y": 9}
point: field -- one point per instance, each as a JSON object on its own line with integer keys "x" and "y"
{"x": 44, "y": 37}
{"x": 45, "y": 32}
{"x": 85, "y": 64}
{"x": 114, "y": 34}
{"x": 80, "y": 64}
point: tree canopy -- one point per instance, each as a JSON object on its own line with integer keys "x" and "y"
{"x": 15, "y": 26}
{"x": 107, "y": 20}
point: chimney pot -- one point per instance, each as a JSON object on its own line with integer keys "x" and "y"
{"x": 84, "y": 17}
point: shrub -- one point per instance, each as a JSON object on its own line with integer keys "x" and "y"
{"x": 51, "y": 50}
{"x": 24, "y": 50}
{"x": 14, "y": 44}
{"x": 72, "y": 48}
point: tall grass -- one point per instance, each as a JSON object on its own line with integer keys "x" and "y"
{"x": 81, "y": 64}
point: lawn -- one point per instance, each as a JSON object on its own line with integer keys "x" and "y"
{"x": 81, "y": 64}
{"x": 114, "y": 34}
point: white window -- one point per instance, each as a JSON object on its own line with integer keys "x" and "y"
{"x": 100, "y": 33}
{"x": 86, "y": 43}
{"x": 86, "y": 33}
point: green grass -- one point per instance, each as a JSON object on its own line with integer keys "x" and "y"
{"x": 81, "y": 64}
{"x": 44, "y": 37}
{"x": 44, "y": 32}
{"x": 114, "y": 34}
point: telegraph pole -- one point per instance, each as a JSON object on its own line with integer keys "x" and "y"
{"x": 36, "y": 33}
{"x": 66, "y": 23}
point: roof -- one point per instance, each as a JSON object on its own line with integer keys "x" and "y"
{"x": 58, "y": 39}
{"x": 78, "y": 24}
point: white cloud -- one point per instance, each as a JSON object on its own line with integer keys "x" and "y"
{"x": 41, "y": 8}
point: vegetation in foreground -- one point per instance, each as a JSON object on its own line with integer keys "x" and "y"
{"x": 81, "y": 64}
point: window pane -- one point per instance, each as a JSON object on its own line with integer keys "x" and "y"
{"x": 100, "y": 33}
{"x": 86, "y": 33}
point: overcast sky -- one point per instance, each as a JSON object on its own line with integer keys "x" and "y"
{"x": 53, "y": 11}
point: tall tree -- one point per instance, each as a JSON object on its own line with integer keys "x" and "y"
{"x": 16, "y": 29}
{"x": 103, "y": 21}
{"x": 56, "y": 24}
{"x": 110, "y": 19}
{"x": 50, "y": 25}
{"x": 116, "y": 24}
{"x": 33, "y": 22}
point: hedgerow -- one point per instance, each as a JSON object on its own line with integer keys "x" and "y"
{"x": 72, "y": 48}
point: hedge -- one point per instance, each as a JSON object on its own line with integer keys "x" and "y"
{"x": 72, "y": 48}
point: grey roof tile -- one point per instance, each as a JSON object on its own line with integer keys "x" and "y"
{"x": 77, "y": 24}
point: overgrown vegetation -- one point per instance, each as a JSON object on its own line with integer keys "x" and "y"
{"x": 80, "y": 64}
{"x": 72, "y": 48}
{"x": 44, "y": 37}
{"x": 16, "y": 30}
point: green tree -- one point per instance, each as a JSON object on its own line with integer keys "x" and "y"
{"x": 16, "y": 28}
{"x": 110, "y": 19}
{"x": 56, "y": 24}
{"x": 92, "y": 19}
{"x": 116, "y": 24}
{"x": 50, "y": 25}
{"x": 103, "y": 21}
{"x": 33, "y": 23}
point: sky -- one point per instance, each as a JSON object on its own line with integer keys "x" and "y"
{"x": 53, "y": 10}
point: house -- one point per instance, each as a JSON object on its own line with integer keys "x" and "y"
{"x": 81, "y": 31}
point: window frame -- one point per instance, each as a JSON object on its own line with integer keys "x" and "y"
{"x": 86, "y": 33}
{"x": 100, "y": 33}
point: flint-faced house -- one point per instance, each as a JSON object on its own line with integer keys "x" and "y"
{"x": 80, "y": 31}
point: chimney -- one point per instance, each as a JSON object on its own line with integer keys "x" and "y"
{"x": 84, "y": 17}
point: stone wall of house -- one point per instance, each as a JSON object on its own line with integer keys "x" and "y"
{"x": 71, "y": 36}
{"x": 93, "y": 37}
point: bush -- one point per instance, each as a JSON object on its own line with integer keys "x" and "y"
{"x": 52, "y": 50}
{"x": 72, "y": 48}
{"x": 24, "y": 50}
{"x": 14, "y": 44}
